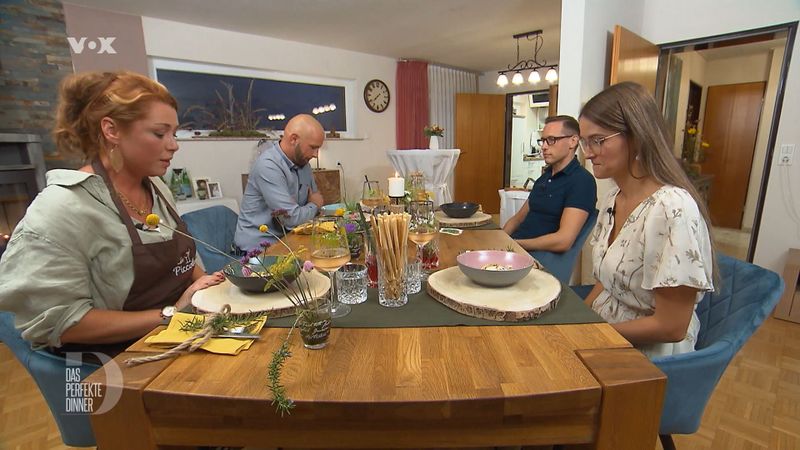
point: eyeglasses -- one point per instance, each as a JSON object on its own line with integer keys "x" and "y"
{"x": 595, "y": 143}
{"x": 551, "y": 140}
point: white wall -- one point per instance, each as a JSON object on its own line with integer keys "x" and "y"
{"x": 665, "y": 22}
{"x": 585, "y": 46}
{"x": 227, "y": 160}
{"x": 738, "y": 69}
{"x": 760, "y": 155}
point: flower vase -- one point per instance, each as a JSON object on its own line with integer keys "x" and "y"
{"x": 434, "y": 143}
{"x": 371, "y": 261}
{"x": 356, "y": 243}
{"x": 315, "y": 325}
{"x": 430, "y": 255}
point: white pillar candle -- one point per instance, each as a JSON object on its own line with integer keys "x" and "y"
{"x": 397, "y": 186}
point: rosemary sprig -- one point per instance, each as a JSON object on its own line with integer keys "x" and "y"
{"x": 282, "y": 403}
{"x": 223, "y": 323}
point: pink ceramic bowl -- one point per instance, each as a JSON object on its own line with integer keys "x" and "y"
{"x": 477, "y": 266}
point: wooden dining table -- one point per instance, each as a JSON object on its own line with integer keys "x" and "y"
{"x": 582, "y": 385}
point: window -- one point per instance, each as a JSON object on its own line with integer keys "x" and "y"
{"x": 211, "y": 97}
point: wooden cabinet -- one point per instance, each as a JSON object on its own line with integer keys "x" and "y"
{"x": 789, "y": 306}
{"x": 328, "y": 183}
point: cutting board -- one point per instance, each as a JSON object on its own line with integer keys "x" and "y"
{"x": 476, "y": 220}
{"x": 275, "y": 303}
{"x": 535, "y": 294}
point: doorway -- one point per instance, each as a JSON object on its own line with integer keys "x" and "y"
{"x": 525, "y": 116}
{"x": 724, "y": 91}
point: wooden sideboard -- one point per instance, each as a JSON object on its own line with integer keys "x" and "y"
{"x": 789, "y": 306}
{"x": 328, "y": 183}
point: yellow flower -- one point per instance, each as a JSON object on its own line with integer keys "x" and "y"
{"x": 152, "y": 220}
{"x": 263, "y": 228}
{"x": 705, "y": 144}
{"x": 692, "y": 131}
{"x": 339, "y": 212}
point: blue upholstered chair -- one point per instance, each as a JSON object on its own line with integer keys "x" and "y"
{"x": 562, "y": 264}
{"x": 49, "y": 373}
{"x": 748, "y": 293}
{"x": 215, "y": 225}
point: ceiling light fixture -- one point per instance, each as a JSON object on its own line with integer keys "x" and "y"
{"x": 528, "y": 64}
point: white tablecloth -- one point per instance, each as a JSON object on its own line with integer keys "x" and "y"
{"x": 437, "y": 165}
{"x": 510, "y": 203}
{"x": 186, "y": 206}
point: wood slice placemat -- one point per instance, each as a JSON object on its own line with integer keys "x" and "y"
{"x": 275, "y": 303}
{"x": 535, "y": 294}
{"x": 477, "y": 219}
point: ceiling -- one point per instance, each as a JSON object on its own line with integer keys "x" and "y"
{"x": 469, "y": 34}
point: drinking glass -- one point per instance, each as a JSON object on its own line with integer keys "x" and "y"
{"x": 423, "y": 226}
{"x": 329, "y": 252}
{"x": 372, "y": 195}
{"x": 351, "y": 282}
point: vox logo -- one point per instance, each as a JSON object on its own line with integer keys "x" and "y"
{"x": 101, "y": 44}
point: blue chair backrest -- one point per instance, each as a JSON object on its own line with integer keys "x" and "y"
{"x": 562, "y": 264}
{"x": 747, "y": 295}
{"x": 215, "y": 225}
{"x": 49, "y": 373}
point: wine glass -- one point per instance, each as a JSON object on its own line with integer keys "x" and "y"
{"x": 329, "y": 252}
{"x": 371, "y": 195}
{"x": 422, "y": 226}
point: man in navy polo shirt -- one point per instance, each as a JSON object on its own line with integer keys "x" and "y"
{"x": 561, "y": 199}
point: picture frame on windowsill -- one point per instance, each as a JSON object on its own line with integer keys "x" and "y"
{"x": 214, "y": 189}
{"x": 201, "y": 188}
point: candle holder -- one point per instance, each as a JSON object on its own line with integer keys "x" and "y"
{"x": 397, "y": 205}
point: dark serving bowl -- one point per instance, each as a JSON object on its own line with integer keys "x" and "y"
{"x": 253, "y": 283}
{"x": 459, "y": 210}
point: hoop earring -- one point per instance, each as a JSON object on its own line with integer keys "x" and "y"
{"x": 115, "y": 158}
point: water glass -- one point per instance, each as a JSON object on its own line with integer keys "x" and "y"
{"x": 351, "y": 283}
{"x": 414, "y": 277}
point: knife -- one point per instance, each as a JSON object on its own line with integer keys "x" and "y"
{"x": 238, "y": 336}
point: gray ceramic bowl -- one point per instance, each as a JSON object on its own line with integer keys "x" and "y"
{"x": 459, "y": 210}
{"x": 472, "y": 265}
{"x": 233, "y": 272}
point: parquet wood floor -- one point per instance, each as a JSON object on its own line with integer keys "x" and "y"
{"x": 755, "y": 406}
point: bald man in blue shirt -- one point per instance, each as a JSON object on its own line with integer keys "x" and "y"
{"x": 281, "y": 180}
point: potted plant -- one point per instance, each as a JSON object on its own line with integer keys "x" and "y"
{"x": 434, "y": 132}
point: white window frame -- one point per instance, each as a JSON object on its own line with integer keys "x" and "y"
{"x": 220, "y": 69}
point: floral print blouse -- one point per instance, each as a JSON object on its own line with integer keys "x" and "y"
{"x": 663, "y": 243}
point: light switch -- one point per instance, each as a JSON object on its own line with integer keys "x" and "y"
{"x": 786, "y": 155}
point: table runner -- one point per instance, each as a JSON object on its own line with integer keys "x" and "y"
{"x": 423, "y": 311}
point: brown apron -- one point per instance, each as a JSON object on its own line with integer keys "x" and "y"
{"x": 162, "y": 270}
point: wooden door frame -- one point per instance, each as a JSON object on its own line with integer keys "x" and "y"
{"x": 509, "y": 123}
{"x": 736, "y": 38}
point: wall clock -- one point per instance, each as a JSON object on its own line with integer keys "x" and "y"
{"x": 376, "y": 96}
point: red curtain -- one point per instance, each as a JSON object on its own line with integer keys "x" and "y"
{"x": 412, "y": 104}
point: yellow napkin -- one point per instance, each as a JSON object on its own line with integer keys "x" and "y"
{"x": 173, "y": 335}
{"x": 307, "y": 227}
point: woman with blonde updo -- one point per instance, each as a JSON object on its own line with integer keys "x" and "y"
{"x": 80, "y": 272}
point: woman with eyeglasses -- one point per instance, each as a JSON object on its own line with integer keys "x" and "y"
{"x": 652, "y": 253}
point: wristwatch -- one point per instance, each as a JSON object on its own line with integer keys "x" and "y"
{"x": 167, "y": 312}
